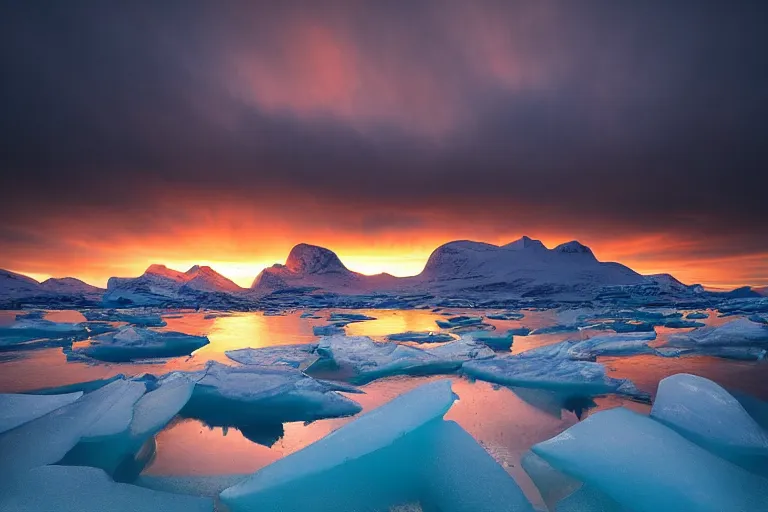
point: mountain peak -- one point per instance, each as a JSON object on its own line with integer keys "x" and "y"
{"x": 311, "y": 259}
{"x": 524, "y": 242}
{"x": 157, "y": 269}
{"x": 574, "y": 247}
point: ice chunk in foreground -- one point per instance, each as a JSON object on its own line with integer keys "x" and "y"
{"x": 647, "y": 467}
{"x": 126, "y": 452}
{"x": 458, "y": 475}
{"x": 360, "y": 359}
{"x": 84, "y": 489}
{"x": 290, "y": 355}
{"x": 576, "y": 377}
{"x": 401, "y": 452}
{"x": 137, "y": 343}
{"x": 333, "y": 473}
{"x": 47, "y": 439}
{"x": 708, "y": 415}
{"x": 256, "y": 395}
{"x": 421, "y": 337}
{"x": 17, "y": 409}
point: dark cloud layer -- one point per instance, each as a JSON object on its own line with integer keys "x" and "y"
{"x": 593, "y": 116}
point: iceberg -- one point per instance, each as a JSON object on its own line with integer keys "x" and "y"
{"x": 760, "y": 319}
{"x": 734, "y": 333}
{"x": 359, "y": 359}
{"x": 349, "y": 317}
{"x": 47, "y": 439}
{"x": 459, "y": 321}
{"x": 133, "y": 318}
{"x": 19, "y": 409}
{"x": 25, "y": 330}
{"x": 646, "y": 467}
{"x": 677, "y": 323}
{"x": 401, "y": 452}
{"x": 697, "y": 315}
{"x": 519, "y": 331}
{"x": 584, "y": 378}
{"x": 84, "y": 489}
{"x": 125, "y": 452}
{"x": 501, "y": 343}
{"x": 290, "y": 355}
{"x": 251, "y": 396}
{"x": 708, "y": 415}
{"x": 508, "y": 315}
{"x": 327, "y": 330}
{"x": 130, "y": 343}
{"x": 350, "y": 467}
{"x": 421, "y": 337}
{"x": 737, "y": 339}
{"x": 620, "y": 344}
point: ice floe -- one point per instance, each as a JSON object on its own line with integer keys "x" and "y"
{"x": 18, "y": 409}
{"x": 131, "y": 343}
{"x": 647, "y": 467}
{"x": 359, "y": 359}
{"x": 711, "y": 417}
{"x": 421, "y": 337}
{"x": 86, "y": 489}
{"x": 401, "y": 452}
{"x": 290, "y": 355}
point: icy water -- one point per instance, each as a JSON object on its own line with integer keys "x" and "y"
{"x": 505, "y": 421}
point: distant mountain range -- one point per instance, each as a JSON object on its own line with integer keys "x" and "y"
{"x": 524, "y": 268}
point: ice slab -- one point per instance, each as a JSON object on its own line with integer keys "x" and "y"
{"x": 359, "y": 359}
{"x": 349, "y": 317}
{"x": 458, "y": 475}
{"x": 398, "y": 453}
{"x": 84, "y": 489}
{"x": 18, "y": 409}
{"x": 760, "y": 319}
{"x": 256, "y": 395}
{"x": 499, "y": 342}
{"x": 119, "y": 415}
{"x": 194, "y": 485}
{"x": 327, "y": 330}
{"x": 333, "y": 473}
{"x": 737, "y": 332}
{"x": 620, "y": 344}
{"x": 47, "y": 439}
{"x": 552, "y": 485}
{"x": 421, "y": 337}
{"x": 648, "y": 467}
{"x": 697, "y": 315}
{"x": 459, "y": 321}
{"x": 142, "y": 319}
{"x": 555, "y": 373}
{"x": 131, "y": 343}
{"x": 155, "y": 409}
{"x": 708, "y": 415}
{"x": 124, "y": 453}
{"x": 25, "y": 330}
{"x": 290, "y": 355}
{"x": 508, "y": 315}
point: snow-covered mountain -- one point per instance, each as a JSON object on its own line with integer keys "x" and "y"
{"x": 15, "y": 286}
{"x": 310, "y": 266}
{"x": 524, "y": 267}
{"x": 160, "y": 284}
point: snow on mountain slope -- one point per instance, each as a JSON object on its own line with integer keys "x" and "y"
{"x": 522, "y": 266}
{"x": 70, "y": 286}
{"x": 159, "y": 284}
{"x": 17, "y": 285}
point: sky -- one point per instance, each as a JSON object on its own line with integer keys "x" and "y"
{"x": 224, "y": 133}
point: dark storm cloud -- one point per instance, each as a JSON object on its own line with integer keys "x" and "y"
{"x": 624, "y": 117}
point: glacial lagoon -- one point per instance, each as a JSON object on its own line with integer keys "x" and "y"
{"x": 506, "y": 420}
